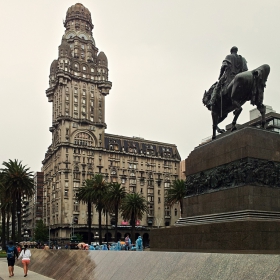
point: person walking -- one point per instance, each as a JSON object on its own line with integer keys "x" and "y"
{"x": 12, "y": 254}
{"x": 25, "y": 254}
{"x": 139, "y": 244}
{"x": 126, "y": 240}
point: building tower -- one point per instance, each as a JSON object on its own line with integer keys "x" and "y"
{"x": 78, "y": 85}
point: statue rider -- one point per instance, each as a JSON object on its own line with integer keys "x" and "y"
{"x": 231, "y": 66}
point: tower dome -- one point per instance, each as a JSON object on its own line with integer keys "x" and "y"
{"x": 78, "y": 12}
{"x": 54, "y": 66}
{"x": 64, "y": 48}
{"x": 102, "y": 59}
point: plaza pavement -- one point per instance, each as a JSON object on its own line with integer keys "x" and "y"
{"x": 18, "y": 272}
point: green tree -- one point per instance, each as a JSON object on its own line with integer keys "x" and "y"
{"x": 116, "y": 193}
{"x": 18, "y": 181}
{"x": 41, "y": 231}
{"x": 79, "y": 237}
{"x": 100, "y": 191}
{"x": 86, "y": 195}
{"x": 94, "y": 191}
{"x": 3, "y": 207}
{"x": 133, "y": 208}
{"x": 176, "y": 193}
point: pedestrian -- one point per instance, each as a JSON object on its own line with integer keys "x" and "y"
{"x": 12, "y": 254}
{"x": 127, "y": 242}
{"x": 25, "y": 254}
{"x": 18, "y": 248}
{"x": 139, "y": 244}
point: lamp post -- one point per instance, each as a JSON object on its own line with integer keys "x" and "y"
{"x": 49, "y": 235}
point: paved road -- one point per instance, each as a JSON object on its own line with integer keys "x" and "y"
{"x": 4, "y": 274}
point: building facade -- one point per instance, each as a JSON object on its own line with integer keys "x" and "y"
{"x": 80, "y": 148}
{"x": 32, "y": 207}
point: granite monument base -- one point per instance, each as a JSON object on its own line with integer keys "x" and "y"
{"x": 232, "y": 201}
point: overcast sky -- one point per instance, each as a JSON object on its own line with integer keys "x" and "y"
{"x": 162, "y": 55}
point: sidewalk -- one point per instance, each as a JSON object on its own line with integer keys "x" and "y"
{"x": 4, "y": 274}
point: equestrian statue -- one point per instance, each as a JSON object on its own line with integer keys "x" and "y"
{"x": 235, "y": 86}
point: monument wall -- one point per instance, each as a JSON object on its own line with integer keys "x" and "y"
{"x": 104, "y": 265}
{"x": 232, "y": 198}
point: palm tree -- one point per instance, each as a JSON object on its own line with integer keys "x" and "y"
{"x": 86, "y": 195}
{"x": 133, "y": 208}
{"x": 176, "y": 193}
{"x": 18, "y": 181}
{"x": 116, "y": 194}
{"x": 100, "y": 190}
{"x": 3, "y": 207}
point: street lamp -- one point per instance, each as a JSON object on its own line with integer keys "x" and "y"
{"x": 49, "y": 234}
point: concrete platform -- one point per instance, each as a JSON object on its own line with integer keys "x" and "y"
{"x": 18, "y": 272}
{"x": 105, "y": 265}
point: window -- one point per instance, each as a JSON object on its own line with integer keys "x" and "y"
{"x": 83, "y": 139}
{"x": 75, "y": 99}
{"x": 66, "y": 193}
{"x": 167, "y": 211}
{"x": 132, "y": 189}
{"x": 92, "y": 70}
{"x": 158, "y": 199}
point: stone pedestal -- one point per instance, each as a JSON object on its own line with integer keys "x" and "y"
{"x": 233, "y": 197}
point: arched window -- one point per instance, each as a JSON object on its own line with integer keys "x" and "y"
{"x": 83, "y": 139}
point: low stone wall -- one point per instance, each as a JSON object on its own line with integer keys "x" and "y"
{"x": 239, "y": 236}
{"x": 105, "y": 265}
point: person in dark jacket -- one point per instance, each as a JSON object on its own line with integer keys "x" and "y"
{"x": 12, "y": 254}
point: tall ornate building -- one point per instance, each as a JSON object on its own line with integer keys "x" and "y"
{"x": 78, "y": 85}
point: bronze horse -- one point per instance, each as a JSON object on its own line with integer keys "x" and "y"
{"x": 245, "y": 86}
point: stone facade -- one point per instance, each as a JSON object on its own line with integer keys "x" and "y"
{"x": 33, "y": 207}
{"x": 80, "y": 148}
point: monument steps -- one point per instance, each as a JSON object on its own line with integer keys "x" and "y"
{"x": 245, "y": 215}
